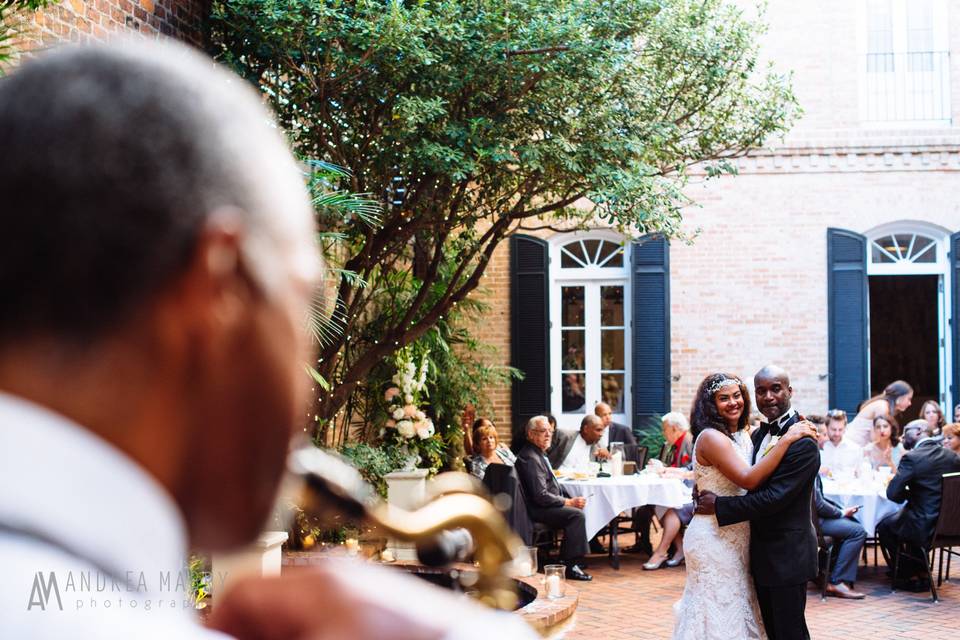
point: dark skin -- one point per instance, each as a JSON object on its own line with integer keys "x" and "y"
{"x": 773, "y": 393}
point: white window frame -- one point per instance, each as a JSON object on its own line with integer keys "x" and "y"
{"x": 941, "y": 43}
{"x": 940, "y": 267}
{"x": 588, "y": 277}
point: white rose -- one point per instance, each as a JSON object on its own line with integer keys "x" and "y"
{"x": 397, "y": 413}
{"x": 405, "y": 428}
{"x": 425, "y": 430}
{"x": 408, "y": 398}
{"x": 420, "y": 415}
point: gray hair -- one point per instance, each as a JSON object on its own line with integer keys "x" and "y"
{"x": 588, "y": 420}
{"x": 115, "y": 159}
{"x": 536, "y": 421}
{"x": 919, "y": 423}
{"x": 677, "y": 419}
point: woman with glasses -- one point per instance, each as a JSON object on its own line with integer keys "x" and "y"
{"x": 896, "y": 398}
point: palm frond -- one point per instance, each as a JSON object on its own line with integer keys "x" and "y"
{"x": 346, "y": 203}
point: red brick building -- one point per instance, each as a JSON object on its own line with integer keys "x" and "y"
{"x": 833, "y": 253}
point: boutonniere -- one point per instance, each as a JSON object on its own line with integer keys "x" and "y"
{"x": 773, "y": 442}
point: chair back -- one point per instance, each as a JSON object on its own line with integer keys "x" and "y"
{"x": 663, "y": 452}
{"x": 502, "y": 479}
{"x": 948, "y": 522}
{"x": 642, "y": 453}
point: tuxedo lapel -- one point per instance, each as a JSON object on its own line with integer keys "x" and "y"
{"x": 758, "y": 437}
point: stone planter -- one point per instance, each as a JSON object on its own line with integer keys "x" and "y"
{"x": 405, "y": 490}
{"x": 263, "y": 558}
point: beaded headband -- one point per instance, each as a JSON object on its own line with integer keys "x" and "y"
{"x": 721, "y": 383}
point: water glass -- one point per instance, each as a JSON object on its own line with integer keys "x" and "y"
{"x": 554, "y": 580}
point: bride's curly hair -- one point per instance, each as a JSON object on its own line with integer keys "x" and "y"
{"x": 704, "y": 414}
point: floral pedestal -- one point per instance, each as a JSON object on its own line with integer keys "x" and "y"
{"x": 405, "y": 490}
{"x": 263, "y": 558}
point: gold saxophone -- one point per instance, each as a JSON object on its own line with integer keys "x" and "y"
{"x": 331, "y": 485}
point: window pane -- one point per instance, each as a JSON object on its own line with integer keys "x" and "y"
{"x": 573, "y": 356}
{"x": 571, "y": 310}
{"x": 606, "y": 250}
{"x": 611, "y": 306}
{"x": 611, "y": 349}
{"x": 884, "y": 250}
{"x": 924, "y": 250}
{"x": 613, "y": 384}
{"x": 616, "y": 260}
{"x": 591, "y": 246}
{"x": 574, "y": 393}
{"x": 573, "y": 256}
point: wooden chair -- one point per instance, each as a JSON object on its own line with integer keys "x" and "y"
{"x": 946, "y": 534}
{"x": 825, "y": 546}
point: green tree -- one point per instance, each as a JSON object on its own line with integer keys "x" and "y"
{"x": 472, "y": 117}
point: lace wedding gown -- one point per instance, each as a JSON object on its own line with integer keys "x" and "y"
{"x": 719, "y": 601}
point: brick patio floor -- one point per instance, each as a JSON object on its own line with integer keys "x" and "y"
{"x": 632, "y": 603}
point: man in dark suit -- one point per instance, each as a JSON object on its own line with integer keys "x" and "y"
{"x": 919, "y": 481}
{"x": 615, "y": 432}
{"x": 783, "y": 542}
{"x": 546, "y": 501}
{"x": 838, "y": 523}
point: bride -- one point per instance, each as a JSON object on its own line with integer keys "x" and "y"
{"x": 719, "y": 600}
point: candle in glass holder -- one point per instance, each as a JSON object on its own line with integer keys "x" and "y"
{"x": 387, "y": 556}
{"x": 352, "y": 545}
{"x": 553, "y": 580}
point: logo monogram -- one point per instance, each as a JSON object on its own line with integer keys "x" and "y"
{"x": 40, "y": 593}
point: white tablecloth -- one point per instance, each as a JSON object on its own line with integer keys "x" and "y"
{"x": 606, "y": 497}
{"x": 872, "y": 496}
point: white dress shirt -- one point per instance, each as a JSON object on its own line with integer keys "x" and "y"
{"x": 579, "y": 455}
{"x": 768, "y": 438}
{"x": 74, "y": 507}
{"x": 839, "y": 458}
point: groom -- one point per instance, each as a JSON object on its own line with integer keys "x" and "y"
{"x": 783, "y": 542}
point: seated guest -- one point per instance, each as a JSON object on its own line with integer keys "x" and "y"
{"x": 838, "y": 523}
{"x": 560, "y": 442}
{"x": 821, "y": 423}
{"x": 931, "y": 412}
{"x": 676, "y": 430}
{"x": 615, "y": 432}
{"x": 546, "y": 500}
{"x": 919, "y": 481}
{"x": 883, "y": 452}
{"x": 951, "y": 437}
{"x": 956, "y": 413}
{"x": 838, "y": 455}
{"x": 585, "y": 447}
{"x": 487, "y": 449}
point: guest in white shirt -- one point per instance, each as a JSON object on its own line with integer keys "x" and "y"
{"x": 838, "y": 456}
{"x": 585, "y": 447}
{"x": 157, "y": 259}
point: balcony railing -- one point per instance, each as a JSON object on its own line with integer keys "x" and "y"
{"x": 907, "y": 87}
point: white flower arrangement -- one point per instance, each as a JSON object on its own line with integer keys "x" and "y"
{"x": 407, "y": 423}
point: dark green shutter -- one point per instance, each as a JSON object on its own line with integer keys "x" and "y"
{"x": 955, "y": 322}
{"x": 650, "y": 265}
{"x": 847, "y": 304}
{"x": 530, "y": 328}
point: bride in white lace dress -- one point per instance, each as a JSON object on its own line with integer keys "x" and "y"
{"x": 719, "y": 601}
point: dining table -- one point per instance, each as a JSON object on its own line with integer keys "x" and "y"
{"x": 608, "y": 497}
{"x": 868, "y": 493}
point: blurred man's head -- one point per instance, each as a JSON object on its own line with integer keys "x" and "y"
{"x": 604, "y": 412}
{"x": 836, "y": 425}
{"x": 591, "y": 429}
{"x": 914, "y": 431}
{"x": 157, "y": 260}
{"x": 674, "y": 426}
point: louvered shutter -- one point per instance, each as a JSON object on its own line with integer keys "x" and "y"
{"x": 530, "y": 328}
{"x": 650, "y": 266}
{"x": 847, "y": 304}
{"x": 955, "y": 321}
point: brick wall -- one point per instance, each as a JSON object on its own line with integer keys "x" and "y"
{"x": 95, "y": 20}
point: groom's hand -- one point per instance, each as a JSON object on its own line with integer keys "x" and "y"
{"x": 706, "y": 503}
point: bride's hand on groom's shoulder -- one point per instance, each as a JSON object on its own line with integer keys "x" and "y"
{"x": 803, "y": 429}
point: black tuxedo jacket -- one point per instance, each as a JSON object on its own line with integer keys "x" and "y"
{"x": 783, "y": 541}
{"x": 540, "y": 486}
{"x": 826, "y": 508}
{"x": 919, "y": 481}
